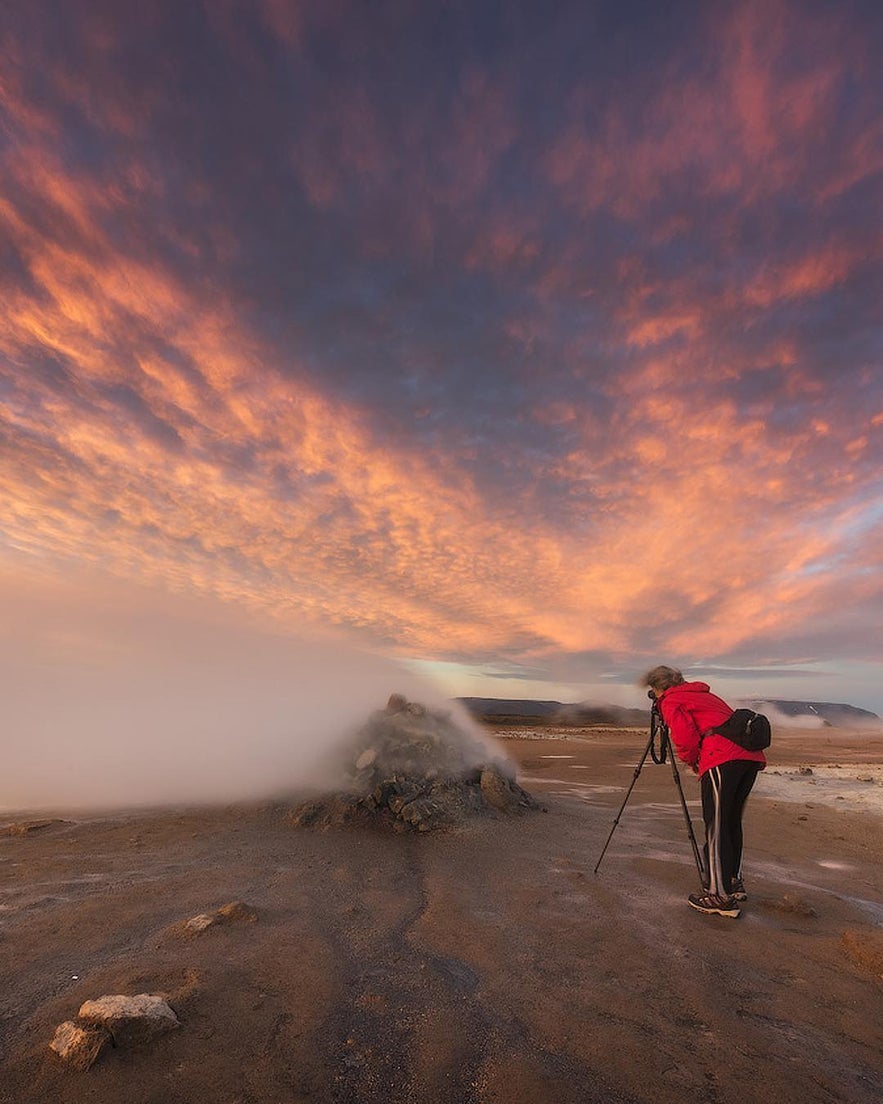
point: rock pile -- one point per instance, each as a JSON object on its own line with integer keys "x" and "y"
{"x": 416, "y": 768}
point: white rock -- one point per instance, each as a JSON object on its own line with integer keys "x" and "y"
{"x": 130, "y": 1019}
{"x": 199, "y": 923}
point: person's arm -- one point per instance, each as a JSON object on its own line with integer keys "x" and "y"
{"x": 685, "y": 734}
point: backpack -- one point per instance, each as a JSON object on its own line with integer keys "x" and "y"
{"x": 746, "y": 728}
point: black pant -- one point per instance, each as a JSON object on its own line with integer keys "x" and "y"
{"x": 724, "y": 792}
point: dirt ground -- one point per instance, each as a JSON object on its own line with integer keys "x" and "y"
{"x": 484, "y": 964}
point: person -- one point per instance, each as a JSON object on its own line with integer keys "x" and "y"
{"x": 727, "y": 773}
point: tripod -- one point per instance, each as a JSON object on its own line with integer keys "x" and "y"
{"x": 659, "y": 732}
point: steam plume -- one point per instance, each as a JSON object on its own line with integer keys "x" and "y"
{"x": 160, "y": 703}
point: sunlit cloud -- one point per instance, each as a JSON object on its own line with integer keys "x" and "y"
{"x": 484, "y": 357}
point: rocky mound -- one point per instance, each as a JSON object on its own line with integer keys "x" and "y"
{"x": 415, "y": 768}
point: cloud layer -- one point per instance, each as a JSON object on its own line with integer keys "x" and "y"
{"x": 488, "y": 332}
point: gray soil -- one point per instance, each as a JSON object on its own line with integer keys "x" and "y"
{"x": 487, "y": 963}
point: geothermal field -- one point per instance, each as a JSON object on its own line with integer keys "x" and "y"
{"x": 332, "y": 946}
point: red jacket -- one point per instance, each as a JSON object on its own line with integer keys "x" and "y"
{"x": 690, "y": 710}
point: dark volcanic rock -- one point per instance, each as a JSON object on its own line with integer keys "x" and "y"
{"x": 334, "y": 811}
{"x": 416, "y": 768}
{"x": 503, "y": 793}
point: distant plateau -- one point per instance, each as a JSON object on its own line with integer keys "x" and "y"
{"x": 523, "y": 711}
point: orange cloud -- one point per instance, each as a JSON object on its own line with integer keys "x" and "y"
{"x": 368, "y": 536}
{"x": 149, "y": 429}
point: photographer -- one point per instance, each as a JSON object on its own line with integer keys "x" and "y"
{"x": 727, "y": 773}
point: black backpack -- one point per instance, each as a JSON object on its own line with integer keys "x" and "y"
{"x": 747, "y": 729}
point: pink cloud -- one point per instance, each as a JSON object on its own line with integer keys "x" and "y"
{"x": 748, "y": 127}
{"x": 285, "y": 18}
{"x": 817, "y": 272}
{"x": 180, "y": 446}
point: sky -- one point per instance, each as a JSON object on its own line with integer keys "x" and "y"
{"x": 525, "y": 344}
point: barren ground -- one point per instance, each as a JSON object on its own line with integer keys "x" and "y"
{"x": 485, "y": 964}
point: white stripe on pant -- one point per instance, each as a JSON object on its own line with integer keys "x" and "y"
{"x": 713, "y": 839}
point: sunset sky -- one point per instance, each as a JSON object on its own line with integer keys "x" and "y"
{"x": 530, "y": 343}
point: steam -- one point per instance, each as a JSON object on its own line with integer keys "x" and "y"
{"x": 407, "y": 739}
{"x": 838, "y": 717}
{"x": 778, "y": 719}
{"x": 171, "y": 707}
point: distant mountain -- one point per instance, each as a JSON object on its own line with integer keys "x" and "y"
{"x": 524, "y": 710}
{"x": 527, "y": 710}
{"x": 586, "y": 713}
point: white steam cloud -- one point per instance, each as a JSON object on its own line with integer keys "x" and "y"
{"x": 119, "y": 705}
{"x": 778, "y": 719}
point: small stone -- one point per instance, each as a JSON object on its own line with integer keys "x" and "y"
{"x": 366, "y": 759}
{"x": 865, "y": 950}
{"x": 397, "y": 802}
{"x": 199, "y": 923}
{"x": 796, "y": 905}
{"x": 237, "y": 911}
{"x": 305, "y": 814}
{"x": 804, "y": 770}
{"x": 79, "y": 1046}
{"x": 129, "y": 1019}
{"x": 419, "y": 813}
{"x": 790, "y": 904}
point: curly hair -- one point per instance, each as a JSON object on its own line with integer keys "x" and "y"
{"x": 662, "y": 678}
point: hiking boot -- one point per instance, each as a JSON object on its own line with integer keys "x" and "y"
{"x": 713, "y": 903}
{"x": 737, "y": 889}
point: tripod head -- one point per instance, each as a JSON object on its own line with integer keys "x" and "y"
{"x": 659, "y": 736}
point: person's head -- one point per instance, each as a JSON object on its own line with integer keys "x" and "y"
{"x": 662, "y": 678}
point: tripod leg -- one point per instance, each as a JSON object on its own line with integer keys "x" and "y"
{"x": 624, "y": 800}
{"x": 700, "y": 866}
